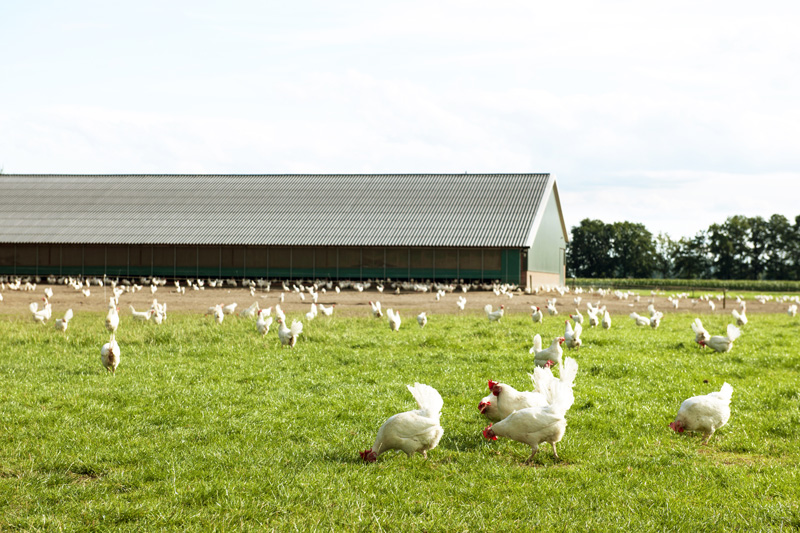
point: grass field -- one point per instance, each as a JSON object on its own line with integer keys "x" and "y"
{"x": 209, "y": 427}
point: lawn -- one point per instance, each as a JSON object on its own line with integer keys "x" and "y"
{"x": 212, "y": 427}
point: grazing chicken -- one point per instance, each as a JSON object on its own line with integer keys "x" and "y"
{"x": 535, "y": 425}
{"x": 422, "y": 319}
{"x": 62, "y": 323}
{"x": 412, "y": 431}
{"x": 704, "y": 414}
{"x": 551, "y": 307}
{"x": 572, "y": 337}
{"x": 312, "y": 314}
{"x": 41, "y": 315}
{"x": 701, "y": 336}
{"x": 263, "y": 323}
{"x": 110, "y": 354}
{"x": 722, "y": 343}
{"x": 376, "y": 309}
{"x": 577, "y": 317}
{"x": 230, "y": 308}
{"x": 279, "y": 312}
{"x": 549, "y": 356}
{"x": 640, "y": 320}
{"x": 606, "y": 320}
{"x": 536, "y": 314}
{"x": 327, "y": 311}
{"x": 461, "y": 302}
{"x": 593, "y": 321}
{"x": 505, "y": 399}
{"x": 494, "y": 316}
{"x": 249, "y": 312}
{"x": 394, "y": 319}
{"x": 288, "y": 336}
{"x": 219, "y": 314}
{"x": 741, "y": 318}
{"x": 141, "y": 315}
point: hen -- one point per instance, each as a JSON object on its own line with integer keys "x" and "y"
{"x": 741, "y": 318}
{"x": 577, "y": 317}
{"x": 722, "y": 343}
{"x": 640, "y": 320}
{"x": 141, "y": 315}
{"x": 535, "y": 425}
{"x": 62, "y": 323}
{"x": 327, "y": 311}
{"x": 288, "y": 336}
{"x": 494, "y": 316}
{"x": 263, "y": 322}
{"x": 549, "y": 356}
{"x": 701, "y": 336}
{"x": 394, "y": 319}
{"x": 112, "y": 318}
{"x": 412, "y": 431}
{"x": 109, "y": 355}
{"x": 606, "y": 320}
{"x": 536, "y": 314}
{"x": 705, "y": 413}
{"x": 572, "y": 337}
{"x": 376, "y": 309}
{"x": 422, "y": 319}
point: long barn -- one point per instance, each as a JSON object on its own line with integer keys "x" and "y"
{"x": 506, "y": 227}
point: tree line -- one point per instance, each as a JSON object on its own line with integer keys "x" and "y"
{"x": 749, "y": 248}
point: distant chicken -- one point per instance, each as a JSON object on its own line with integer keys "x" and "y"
{"x": 741, "y": 318}
{"x": 48, "y": 292}
{"x": 572, "y": 337}
{"x": 535, "y": 425}
{"x": 701, "y": 336}
{"x": 551, "y": 307}
{"x": 639, "y": 320}
{"x": 41, "y": 315}
{"x": 62, "y": 323}
{"x": 422, "y": 319}
{"x": 230, "y": 308}
{"x": 394, "y": 319}
{"x": 110, "y": 354}
{"x": 593, "y": 321}
{"x": 724, "y": 343}
{"x": 327, "y": 311}
{"x": 494, "y": 316}
{"x": 461, "y": 302}
{"x": 288, "y": 336}
{"x": 536, "y": 314}
{"x": 549, "y": 356}
{"x": 219, "y": 314}
{"x": 112, "y": 318}
{"x": 312, "y": 314}
{"x": 792, "y": 310}
{"x": 412, "y": 431}
{"x": 606, "y": 320}
{"x": 141, "y": 315}
{"x": 376, "y": 309}
{"x": 704, "y": 414}
{"x": 263, "y": 322}
{"x": 249, "y": 312}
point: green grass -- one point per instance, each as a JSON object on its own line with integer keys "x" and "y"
{"x": 210, "y": 427}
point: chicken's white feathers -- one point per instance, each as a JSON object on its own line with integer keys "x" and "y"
{"x": 428, "y": 399}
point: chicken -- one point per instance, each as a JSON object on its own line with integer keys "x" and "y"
{"x": 701, "y": 336}
{"x": 263, "y": 322}
{"x": 288, "y": 336}
{"x": 422, "y": 319}
{"x": 536, "y": 314}
{"x": 219, "y": 314}
{"x": 792, "y": 310}
{"x": 41, "y": 315}
{"x": 551, "y": 307}
{"x": 327, "y": 311}
{"x": 48, "y": 292}
{"x": 741, "y": 318}
{"x": 606, "y": 320}
{"x": 112, "y": 318}
{"x": 494, "y": 316}
{"x": 62, "y": 323}
{"x": 249, "y": 312}
{"x": 141, "y": 315}
{"x": 722, "y": 343}
{"x": 577, "y": 317}
{"x": 412, "y": 431}
{"x": 394, "y": 319}
{"x": 572, "y": 337}
{"x": 461, "y": 302}
{"x": 549, "y": 356}
{"x": 535, "y": 425}
{"x": 655, "y": 319}
{"x": 230, "y": 308}
{"x": 312, "y": 314}
{"x": 110, "y": 354}
{"x": 639, "y": 320}
{"x": 376, "y": 309}
{"x": 593, "y": 321}
{"x": 704, "y": 414}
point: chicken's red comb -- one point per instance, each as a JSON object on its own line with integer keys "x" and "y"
{"x": 486, "y": 433}
{"x": 492, "y": 384}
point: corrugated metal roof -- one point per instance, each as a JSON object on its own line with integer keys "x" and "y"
{"x": 487, "y": 210}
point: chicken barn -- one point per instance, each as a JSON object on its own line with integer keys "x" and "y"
{"x": 506, "y": 227}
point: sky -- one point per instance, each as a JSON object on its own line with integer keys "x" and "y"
{"x": 675, "y": 116}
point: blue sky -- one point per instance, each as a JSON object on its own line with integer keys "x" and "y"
{"x": 676, "y": 116}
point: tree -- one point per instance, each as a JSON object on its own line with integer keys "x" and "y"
{"x": 589, "y": 250}
{"x": 632, "y": 250}
{"x": 691, "y": 258}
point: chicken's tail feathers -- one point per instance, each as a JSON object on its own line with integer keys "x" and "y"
{"x": 697, "y": 326}
{"x": 428, "y": 399}
{"x": 297, "y": 327}
{"x": 68, "y": 315}
{"x": 488, "y": 308}
{"x": 34, "y": 306}
{"x": 726, "y": 392}
{"x": 561, "y": 397}
{"x": 578, "y": 330}
{"x": 634, "y": 315}
{"x": 733, "y": 332}
{"x": 537, "y": 343}
{"x": 569, "y": 370}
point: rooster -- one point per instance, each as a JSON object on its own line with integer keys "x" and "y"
{"x": 62, "y": 323}
{"x": 572, "y": 337}
{"x": 705, "y": 413}
{"x": 535, "y": 425}
{"x": 394, "y": 319}
{"x": 412, "y": 431}
{"x": 549, "y": 356}
{"x": 376, "y": 309}
{"x": 722, "y": 343}
{"x": 701, "y": 336}
{"x": 494, "y": 316}
{"x": 109, "y": 355}
{"x": 288, "y": 336}
{"x": 422, "y": 319}
{"x": 536, "y": 314}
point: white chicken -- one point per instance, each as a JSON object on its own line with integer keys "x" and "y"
{"x": 494, "y": 316}
{"x": 141, "y": 315}
{"x": 230, "y": 308}
{"x": 792, "y": 310}
{"x": 536, "y": 314}
{"x": 312, "y": 314}
{"x": 412, "y": 431}
{"x": 551, "y": 307}
{"x": 461, "y": 302}
{"x": 577, "y": 317}
{"x": 705, "y": 414}
{"x": 422, "y": 319}
{"x": 701, "y": 336}
{"x": 263, "y": 323}
{"x": 41, "y": 315}
{"x": 327, "y": 311}
{"x": 572, "y": 337}
{"x": 62, "y": 323}
{"x": 606, "y": 320}
{"x": 593, "y": 320}
{"x": 639, "y": 320}
{"x": 741, "y": 318}
{"x": 722, "y": 343}
{"x": 249, "y": 312}
{"x": 376, "y": 309}
{"x": 112, "y": 318}
{"x": 110, "y": 355}
{"x": 288, "y": 336}
{"x": 48, "y": 292}
{"x": 219, "y": 314}
{"x": 535, "y": 425}
{"x": 394, "y": 319}
{"x": 549, "y": 356}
